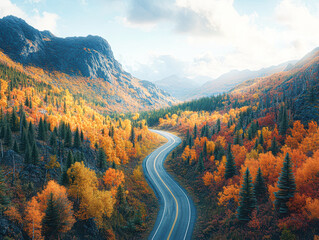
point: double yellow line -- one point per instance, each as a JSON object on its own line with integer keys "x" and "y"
{"x": 170, "y": 233}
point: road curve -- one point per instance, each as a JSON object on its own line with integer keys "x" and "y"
{"x": 177, "y": 214}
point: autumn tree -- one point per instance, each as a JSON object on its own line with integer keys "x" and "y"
{"x": 286, "y": 185}
{"x": 247, "y": 202}
{"x": 83, "y": 187}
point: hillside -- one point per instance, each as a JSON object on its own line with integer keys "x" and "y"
{"x": 86, "y": 62}
{"x": 251, "y": 156}
{"x": 298, "y": 85}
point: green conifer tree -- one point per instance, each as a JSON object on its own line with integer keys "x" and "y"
{"x": 260, "y": 187}
{"x": 286, "y": 185}
{"x": 247, "y": 199}
{"x": 77, "y": 140}
{"x": 51, "y": 220}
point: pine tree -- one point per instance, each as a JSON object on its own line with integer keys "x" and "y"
{"x": 200, "y": 164}
{"x": 274, "y": 148}
{"x": 24, "y": 140}
{"x": 77, "y": 140}
{"x": 41, "y": 133}
{"x": 27, "y": 155}
{"x": 230, "y": 169}
{"x": 195, "y": 131}
{"x": 82, "y": 136}
{"x": 101, "y": 158}
{"x": 50, "y": 222}
{"x": 70, "y": 160}
{"x": 286, "y": 185}
{"x": 218, "y": 125}
{"x": 31, "y": 133}
{"x": 247, "y": 199}
{"x": 35, "y": 154}
{"x": 132, "y": 137}
{"x": 260, "y": 186}
{"x": 284, "y": 122}
{"x": 8, "y": 137}
{"x": 4, "y": 199}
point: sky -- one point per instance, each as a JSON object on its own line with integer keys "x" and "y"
{"x": 198, "y": 39}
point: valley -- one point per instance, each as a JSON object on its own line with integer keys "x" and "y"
{"x": 88, "y": 151}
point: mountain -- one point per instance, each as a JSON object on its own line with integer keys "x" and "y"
{"x": 75, "y": 58}
{"x": 298, "y": 86}
{"x": 177, "y": 86}
{"x": 227, "y": 81}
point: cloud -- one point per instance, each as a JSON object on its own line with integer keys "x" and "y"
{"x": 41, "y": 21}
{"x": 229, "y": 40}
{"x": 44, "y": 21}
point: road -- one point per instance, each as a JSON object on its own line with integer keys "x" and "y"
{"x": 177, "y": 214}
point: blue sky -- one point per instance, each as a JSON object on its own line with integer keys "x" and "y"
{"x": 190, "y": 38}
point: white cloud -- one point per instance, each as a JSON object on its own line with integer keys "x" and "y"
{"x": 41, "y": 21}
{"x": 44, "y": 21}
{"x": 290, "y": 33}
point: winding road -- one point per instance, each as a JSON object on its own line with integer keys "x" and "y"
{"x": 177, "y": 214}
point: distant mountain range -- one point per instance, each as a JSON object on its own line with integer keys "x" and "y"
{"x": 187, "y": 88}
{"x": 89, "y": 57}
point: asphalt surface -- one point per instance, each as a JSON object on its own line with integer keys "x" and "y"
{"x": 177, "y": 214}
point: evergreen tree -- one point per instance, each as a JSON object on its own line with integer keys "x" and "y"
{"x": 53, "y": 140}
{"x": 68, "y": 137}
{"x": 24, "y": 140}
{"x": 4, "y": 199}
{"x": 247, "y": 199}
{"x": 27, "y": 155}
{"x": 31, "y": 133}
{"x": 230, "y": 169}
{"x": 274, "y": 148}
{"x": 77, "y": 140}
{"x": 200, "y": 164}
{"x": 35, "y": 154}
{"x": 70, "y": 160}
{"x": 82, "y": 136}
{"x": 101, "y": 158}
{"x": 8, "y": 136}
{"x": 195, "y": 131}
{"x": 51, "y": 219}
{"x": 260, "y": 186}
{"x": 286, "y": 185}
{"x": 218, "y": 126}
{"x": 41, "y": 133}
{"x": 284, "y": 122}
{"x": 132, "y": 137}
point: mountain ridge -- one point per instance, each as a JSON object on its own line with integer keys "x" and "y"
{"x": 87, "y": 60}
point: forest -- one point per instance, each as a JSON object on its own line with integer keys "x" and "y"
{"x": 249, "y": 160}
{"x": 67, "y": 169}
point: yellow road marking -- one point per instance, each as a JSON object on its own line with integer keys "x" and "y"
{"x": 170, "y": 233}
